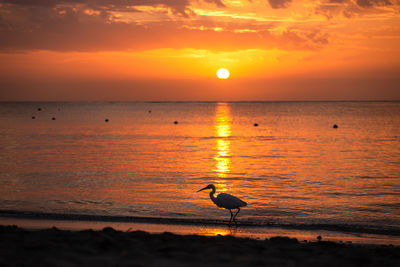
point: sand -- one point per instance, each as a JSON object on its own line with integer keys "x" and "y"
{"x": 54, "y": 247}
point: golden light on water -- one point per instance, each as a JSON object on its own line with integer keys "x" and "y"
{"x": 223, "y": 120}
{"x": 222, "y": 157}
{"x": 223, "y": 146}
{"x": 220, "y": 231}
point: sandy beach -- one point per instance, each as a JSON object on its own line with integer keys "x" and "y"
{"x": 108, "y": 247}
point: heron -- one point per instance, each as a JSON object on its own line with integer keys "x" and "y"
{"x": 226, "y": 201}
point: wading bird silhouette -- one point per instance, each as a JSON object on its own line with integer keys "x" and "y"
{"x": 226, "y": 201}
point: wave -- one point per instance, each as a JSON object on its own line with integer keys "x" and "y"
{"x": 344, "y": 228}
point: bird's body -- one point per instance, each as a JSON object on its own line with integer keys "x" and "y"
{"x": 226, "y": 201}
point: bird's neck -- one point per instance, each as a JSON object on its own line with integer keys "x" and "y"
{"x": 212, "y": 195}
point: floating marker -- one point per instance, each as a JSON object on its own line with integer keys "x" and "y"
{"x": 255, "y": 124}
{"x": 54, "y": 118}
{"x": 39, "y": 109}
{"x": 175, "y": 122}
{"x": 335, "y": 126}
{"x": 33, "y": 117}
{"x": 106, "y": 120}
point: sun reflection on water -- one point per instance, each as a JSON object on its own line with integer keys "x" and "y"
{"x": 220, "y": 231}
{"x": 223, "y": 145}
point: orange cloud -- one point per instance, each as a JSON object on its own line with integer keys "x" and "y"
{"x": 77, "y": 29}
{"x": 279, "y": 3}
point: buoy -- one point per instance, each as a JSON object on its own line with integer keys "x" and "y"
{"x": 335, "y": 126}
{"x": 175, "y": 122}
{"x": 33, "y": 117}
{"x": 54, "y": 118}
{"x": 39, "y": 109}
{"x": 255, "y": 124}
{"x": 106, "y": 120}
{"x": 149, "y": 111}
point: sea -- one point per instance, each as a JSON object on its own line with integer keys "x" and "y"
{"x": 301, "y": 167}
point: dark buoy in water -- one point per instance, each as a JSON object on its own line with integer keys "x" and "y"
{"x": 33, "y": 117}
{"x": 39, "y": 109}
{"x": 255, "y": 124}
{"x": 149, "y": 111}
{"x": 335, "y": 126}
{"x": 319, "y": 238}
{"x": 54, "y": 118}
{"x": 106, "y": 120}
{"x": 175, "y": 122}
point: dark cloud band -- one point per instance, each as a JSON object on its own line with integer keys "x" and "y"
{"x": 279, "y": 3}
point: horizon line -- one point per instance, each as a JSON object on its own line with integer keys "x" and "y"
{"x": 191, "y": 101}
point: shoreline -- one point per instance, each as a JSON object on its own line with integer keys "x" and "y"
{"x": 109, "y": 247}
{"x": 345, "y": 228}
{"x": 239, "y": 231}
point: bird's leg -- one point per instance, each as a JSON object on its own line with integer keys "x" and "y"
{"x": 234, "y": 217}
{"x": 231, "y": 217}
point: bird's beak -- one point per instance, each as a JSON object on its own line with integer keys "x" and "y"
{"x": 202, "y": 189}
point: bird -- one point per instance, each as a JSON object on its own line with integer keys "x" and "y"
{"x": 226, "y": 201}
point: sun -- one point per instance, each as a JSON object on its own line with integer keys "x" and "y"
{"x": 223, "y": 73}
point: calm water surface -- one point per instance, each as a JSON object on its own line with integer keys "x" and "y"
{"x": 293, "y": 168}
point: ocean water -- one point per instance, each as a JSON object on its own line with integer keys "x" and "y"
{"x": 293, "y": 169}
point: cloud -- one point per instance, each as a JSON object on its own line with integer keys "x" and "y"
{"x": 336, "y": 8}
{"x": 75, "y": 28}
{"x": 217, "y": 2}
{"x": 48, "y": 3}
{"x": 350, "y": 8}
{"x": 279, "y": 3}
{"x": 372, "y": 3}
{"x": 178, "y": 6}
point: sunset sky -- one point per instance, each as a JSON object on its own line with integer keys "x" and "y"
{"x": 138, "y": 50}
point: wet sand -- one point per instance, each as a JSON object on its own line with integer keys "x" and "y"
{"x": 108, "y": 247}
